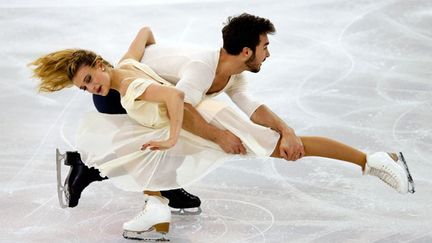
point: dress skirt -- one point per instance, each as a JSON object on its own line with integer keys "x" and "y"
{"x": 112, "y": 144}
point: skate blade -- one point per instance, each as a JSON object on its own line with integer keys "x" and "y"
{"x": 150, "y": 235}
{"x": 411, "y": 185}
{"x": 186, "y": 211}
{"x": 61, "y": 189}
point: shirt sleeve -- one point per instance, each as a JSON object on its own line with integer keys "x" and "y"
{"x": 135, "y": 89}
{"x": 239, "y": 95}
{"x": 195, "y": 79}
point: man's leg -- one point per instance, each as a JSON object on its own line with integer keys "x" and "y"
{"x": 80, "y": 176}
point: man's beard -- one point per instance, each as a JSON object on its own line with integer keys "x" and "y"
{"x": 252, "y": 64}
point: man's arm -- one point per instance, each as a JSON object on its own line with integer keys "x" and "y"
{"x": 291, "y": 147}
{"x": 193, "y": 122}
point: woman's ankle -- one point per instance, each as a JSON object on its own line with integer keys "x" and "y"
{"x": 153, "y": 193}
{"x": 393, "y": 156}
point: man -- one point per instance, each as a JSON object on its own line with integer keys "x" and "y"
{"x": 204, "y": 74}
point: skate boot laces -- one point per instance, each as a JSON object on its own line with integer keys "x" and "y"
{"x": 186, "y": 193}
{"x": 386, "y": 175}
{"x": 144, "y": 209}
{"x": 383, "y": 166}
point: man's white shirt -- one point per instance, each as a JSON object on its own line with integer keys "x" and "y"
{"x": 193, "y": 71}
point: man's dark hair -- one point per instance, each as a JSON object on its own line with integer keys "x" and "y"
{"x": 244, "y": 31}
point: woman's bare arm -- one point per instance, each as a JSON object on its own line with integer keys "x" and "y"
{"x": 136, "y": 49}
{"x": 174, "y": 100}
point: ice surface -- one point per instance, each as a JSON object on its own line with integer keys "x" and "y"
{"x": 357, "y": 71}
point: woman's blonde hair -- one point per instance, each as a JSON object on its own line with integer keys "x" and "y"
{"x": 57, "y": 69}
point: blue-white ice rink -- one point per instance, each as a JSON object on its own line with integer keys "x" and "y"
{"x": 357, "y": 71}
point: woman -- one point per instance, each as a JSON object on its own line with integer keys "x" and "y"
{"x": 170, "y": 157}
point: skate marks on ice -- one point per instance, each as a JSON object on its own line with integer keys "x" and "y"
{"x": 356, "y": 71}
{"x": 29, "y": 165}
{"x": 316, "y": 199}
{"x": 341, "y": 203}
{"x": 224, "y": 220}
{"x": 353, "y": 67}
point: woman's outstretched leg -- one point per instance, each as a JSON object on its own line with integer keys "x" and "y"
{"x": 328, "y": 148}
{"x": 378, "y": 164}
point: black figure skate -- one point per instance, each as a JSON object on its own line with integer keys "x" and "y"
{"x": 411, "y": 186}
{"x": 182, "y": 202}
{"x": 79, "y": 177}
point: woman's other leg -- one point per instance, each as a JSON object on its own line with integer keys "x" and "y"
{"x": 381, "y": 165}
{"x": 328, "y": 148}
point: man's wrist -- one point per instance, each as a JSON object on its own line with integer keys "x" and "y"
{"x": 213, "y": 133}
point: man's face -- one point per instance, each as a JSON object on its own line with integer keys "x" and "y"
{"x": 259, "y": 56}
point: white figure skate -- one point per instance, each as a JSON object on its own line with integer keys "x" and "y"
{"x": 152, "y": 223}
{"x": 381, "y": 165}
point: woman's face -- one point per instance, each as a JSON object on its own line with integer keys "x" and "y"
{"x": 93, "y": 79}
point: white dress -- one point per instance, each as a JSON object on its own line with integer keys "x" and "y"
{"x": 111, "y": 143}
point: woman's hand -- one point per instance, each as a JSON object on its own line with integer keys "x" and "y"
{"x": 159, "y": 145}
